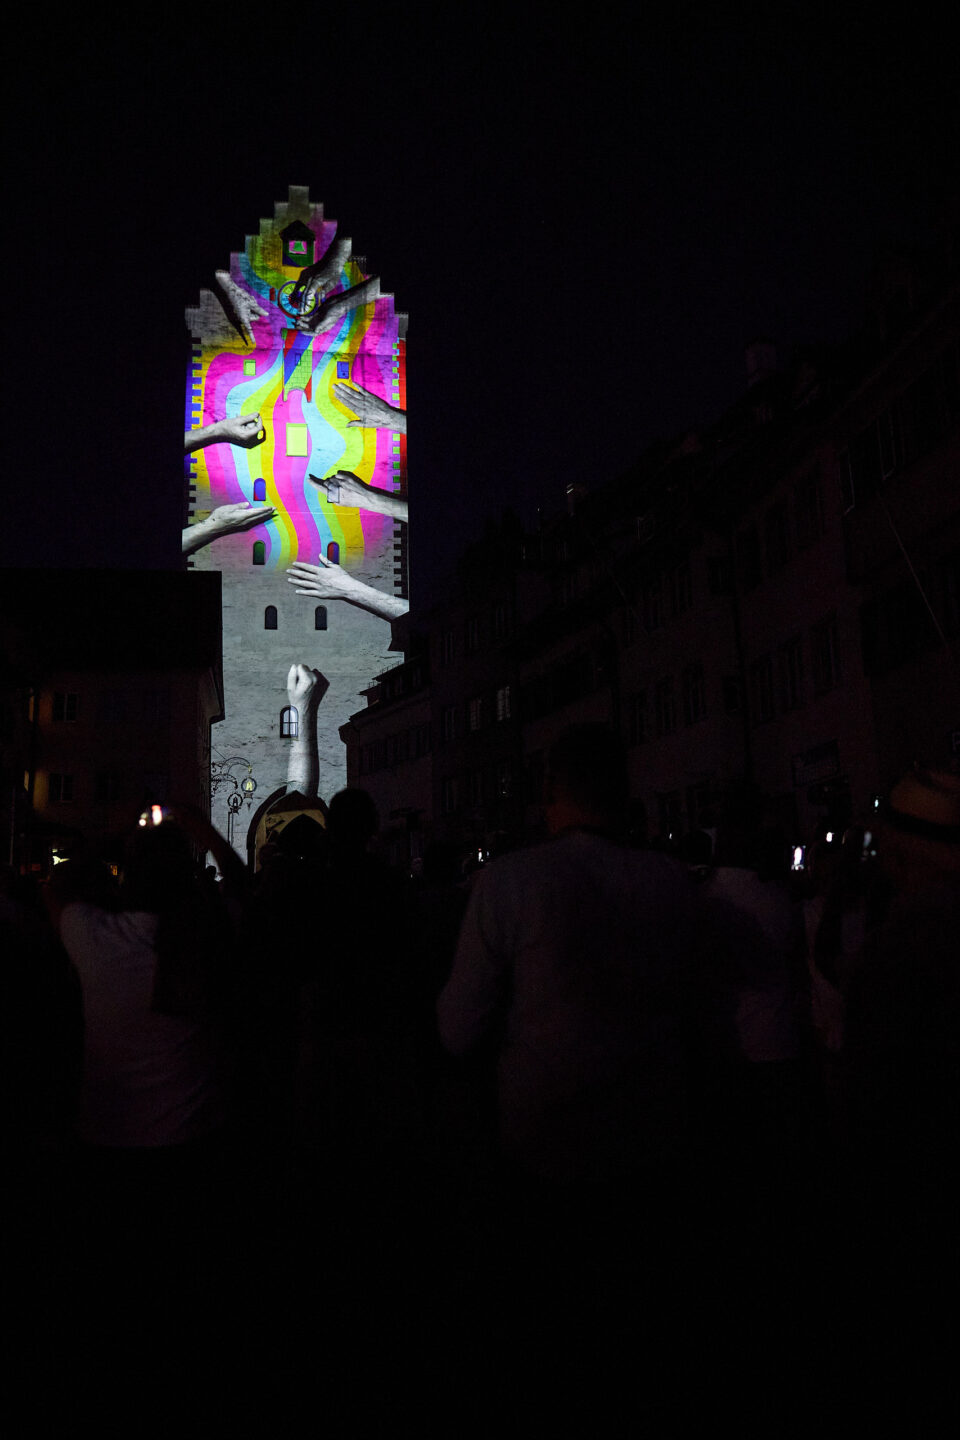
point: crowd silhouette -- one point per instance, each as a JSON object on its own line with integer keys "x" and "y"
{"x": 597, "y": 1130}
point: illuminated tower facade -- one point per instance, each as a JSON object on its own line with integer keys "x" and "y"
{"x": 297, "y": 377}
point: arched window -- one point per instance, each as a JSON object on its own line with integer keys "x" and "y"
{"x": 289, "y": 722}
{"x": 270, "y": 618}
{"x": 320, "y": 618}
{"x": 259, "y": 553}
{"x": 333, "y": 552}
{"x": 260, "y": 490}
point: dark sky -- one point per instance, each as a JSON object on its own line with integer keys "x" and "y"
{"x": 585, "y": 224}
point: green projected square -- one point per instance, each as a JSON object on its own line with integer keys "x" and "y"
{"x": 249, "y": 367}
{"x": 298, "y": 440}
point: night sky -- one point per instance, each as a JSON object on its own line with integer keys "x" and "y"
{"x": 585, "y": 227}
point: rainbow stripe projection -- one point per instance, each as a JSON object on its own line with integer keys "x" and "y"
{"x": 249, "y": 358}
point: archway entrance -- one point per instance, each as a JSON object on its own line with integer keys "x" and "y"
{"x": 277, "y": 812}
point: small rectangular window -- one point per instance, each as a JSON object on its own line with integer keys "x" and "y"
{"x": 298, "y": 440}
{"x": 61, "y": 788}
{"x": 66, "y": 705}
{"x": 791, "y": 674}
{"x": 825, "y": 655}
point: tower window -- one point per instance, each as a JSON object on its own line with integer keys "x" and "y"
{"x": 333, "y": 552}
{"x": 270, "y": 618}
{"x": 320, "y": 618}
{"x": 289, "y": 722}
{"x": 259, "y": 552}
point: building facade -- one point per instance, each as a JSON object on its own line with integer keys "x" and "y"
{"x": 772, "y": 599}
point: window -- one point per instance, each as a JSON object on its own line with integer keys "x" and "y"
{"x": 289, "y": 722}
{"x": 664, "y": 706}
{"x": 504, "y": 706}
{"x": 61, "y": 788}
{"x": 637, "y": 718}
{"x": 680, "y": 588}
{"x": 298, "y": 440}
{"x": 472, "y": 635}
{"x": 732, "y": 694}
{"x": 653, "y": 603}
{"x": 422, "y": 739}
{"x": 449, "y": 794}
{"x": 259, "y": 552}
{"x": 475, "y": 713}
{"x": 270, "y": 618}
{"x": 808, "y": 509}
{"x": 249, "y": 367}
{"x": 320, "y": 618}
{"x": 447, "y": 647}
{"x": 694, "y": 694}
{"x": 259, "y": 490}
{"x": 501, "y": 621}
{"x": 825, "y": 655}
{"x": 343, "y": 369}
{"x": 776, "y": 528}
{"x": 791, "y": 674}
{"x": 505, "y": 778}
{"x": 761, "y": 689}
{"x": 66, "y": 705}
{"x": 333, "y": 552}
{"x": 448, "y": 723}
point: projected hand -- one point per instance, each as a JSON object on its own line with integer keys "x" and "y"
{"x": 245, "y": 430}
{"x": 370, "y": 408}
{"x": 229, "y": 519}
{"x": 332, "y": 311}
{"x": 327, "y": 581}
{"x": 345, "y": 488}
{"x": 306, "y": 687}
{"x": 318, "y": 279}
{"x": 244, "y": 306}
{"x": 225, "y": 520}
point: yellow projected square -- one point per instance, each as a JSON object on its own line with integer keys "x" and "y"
{"x": 298, "y": 440}
{"x": 249, "y": 367}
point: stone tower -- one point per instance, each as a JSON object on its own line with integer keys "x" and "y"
{"x": 296, "y": 335}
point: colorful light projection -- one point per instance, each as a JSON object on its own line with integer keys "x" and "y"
{"x": 250, "y": 357}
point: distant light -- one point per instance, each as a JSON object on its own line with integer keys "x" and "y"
{"x": 867, "y": 839}
{"x": 797, "y": 857}
{"x": 156, "y": 814}
{"x": 829, "y": 837}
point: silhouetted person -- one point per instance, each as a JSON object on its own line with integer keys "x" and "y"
{"x": 571, "y": 964}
